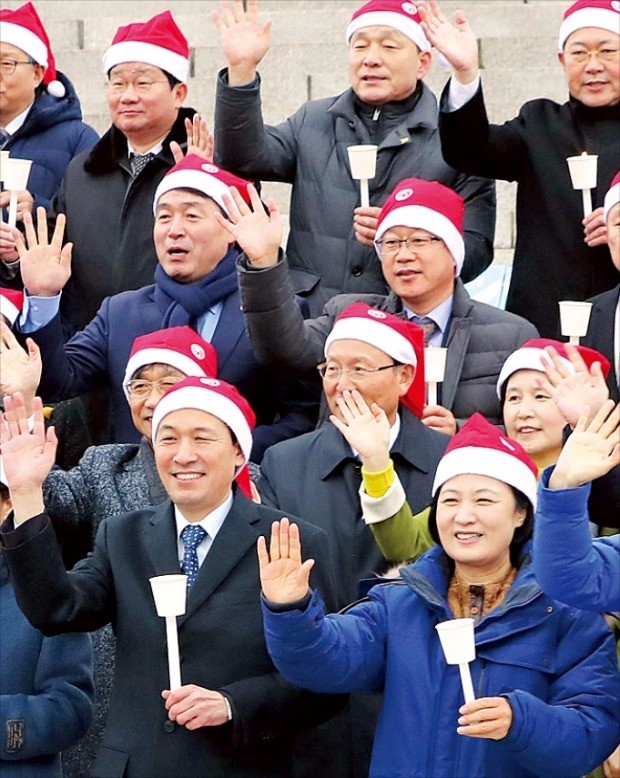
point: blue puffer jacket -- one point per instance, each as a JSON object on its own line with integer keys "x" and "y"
{"x": 51, "y": 136}
{"x": 556, "y": 666}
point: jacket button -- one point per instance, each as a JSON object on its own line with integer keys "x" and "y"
{"x": 169, "y": 726}
{"x": 356, "y": 271}
{"x": 549, "y": 608}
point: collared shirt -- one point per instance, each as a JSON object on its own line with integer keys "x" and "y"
{"x": 394, "y": 430}
{"x": 211, "y": 524}
{"x": 155, "y": 150}
{"x": 440, "y": 315}
{"x": 17, "y": 122}
{"x": 208, "y": 321}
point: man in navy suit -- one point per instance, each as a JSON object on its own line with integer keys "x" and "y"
{"x": 195, "y": 284}
{"x": 234, "y": 713}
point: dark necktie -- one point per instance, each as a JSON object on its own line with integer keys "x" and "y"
{"x": 4, "y": 136}
{"x": 138, "y": 162}
{"x": 428, "y": 325}
{"x": 192, "y": 536}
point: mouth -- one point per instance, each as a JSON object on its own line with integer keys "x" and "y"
{"x": 176, "y": 253}
{"x": 407, "y": 273}
{"x": 372, "y": 79}
{"x": 527, "y": 430}
{"x": 467, "y": 538}
{"x": 187, "y": 476}
{"x": 596, "y": 85}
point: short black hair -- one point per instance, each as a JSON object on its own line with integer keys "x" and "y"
{"x": 521, "y": 534}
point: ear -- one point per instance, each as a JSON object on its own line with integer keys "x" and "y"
{"x": 406, "y": 374}
{"x": 521, "y": 514}
{"x": 424, "y": 64}
{"x": 179, "y": 93}
{"x": 39, "y": 72}
{"x": 239, "y": 458}
{"x": 561, "y": 58}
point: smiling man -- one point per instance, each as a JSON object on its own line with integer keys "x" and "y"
{"x": 559, "y": 255}
{"x": 195, "y": 284}
{"x": 330, "y": 244}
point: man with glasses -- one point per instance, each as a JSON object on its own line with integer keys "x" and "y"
{"x": 40, "y": 120}
{"x": 420, "y": 246}
{"x": 559, "y": 254}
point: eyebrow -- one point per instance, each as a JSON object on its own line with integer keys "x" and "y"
{"x": 477, "y": 491}
{"x": 185, "y": 203}
{"x": 604, "y": 42}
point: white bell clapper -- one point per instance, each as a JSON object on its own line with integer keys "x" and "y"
{"x": 363, "y": 162}
{"x": 434, "y": 370}
{"x": 170, "y": 595}
{"x": 459, "y": 648}
{"x": 574, "y": 319}
{"x": 582, "y": 170}
{"x": 15, "y": 174}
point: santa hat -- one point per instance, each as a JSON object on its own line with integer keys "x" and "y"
{"x": 402, "y": 16}
{"x": 613, "y": 196}
{"x": 157, "y": 42}
{"x": 426, "y": 205}
{"x": 398, "y": 338}
{"x": 178, "y": 347}
{"x": 11, "y": 304}
{"x": 480, "y": 448}
{"x": 194, "y": 172}
{"x": 23, "y": 28}
{"x": 604, "y": 14}
{"x": 532, "y": 356}
{"x": 213, "y": 396}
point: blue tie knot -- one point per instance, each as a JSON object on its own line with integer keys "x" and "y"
{"x": 192, "y": 536}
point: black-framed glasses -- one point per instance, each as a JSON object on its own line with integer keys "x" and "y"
{"x": 138, "y": 387}
{"x": 7, "y": 66}
{"x": 142, "y": 86}
{"x": 393, "y": 245}
{"x": 357, "y": 374}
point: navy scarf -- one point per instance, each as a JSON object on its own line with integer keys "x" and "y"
{"x": 184, "y": 303}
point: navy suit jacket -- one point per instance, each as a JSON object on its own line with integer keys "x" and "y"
{"x": 220, "y": 640}
{"x": 601, "y": 333}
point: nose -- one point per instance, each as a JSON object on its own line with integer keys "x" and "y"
{"x": 594, "y": 62}
{"x": 525, "y": 409}
{"x": 464, "y": 514}
{"x": 184, "y": 454}
{"x": 176, "y": 225}
{"x": 372, "y": 55}
{"x": 153, "y": 398}
{"x": 344, "y": 383}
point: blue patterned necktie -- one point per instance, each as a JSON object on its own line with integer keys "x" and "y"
{"x": 192, "y": 536}
{"x": 428, "y": 325}
{"x": 138, "y": 162}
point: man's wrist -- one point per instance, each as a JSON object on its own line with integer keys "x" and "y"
{"x": 241, "y": 75}
{"x": 26, "y": 505}
{"x": 268, "y": 260}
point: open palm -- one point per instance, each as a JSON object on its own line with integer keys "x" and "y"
{"x": 284, "y": 578}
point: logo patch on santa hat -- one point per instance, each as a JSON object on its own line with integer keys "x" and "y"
{"x": 197, "y": 351}
{"x": 210, "y": 381}
{"x": 615, "y": 4}
{"x": 377, "y": 314}
{"x": 410, "y": 8}
{"x": 404, "y": 195}
{"x": 210, "y": 168}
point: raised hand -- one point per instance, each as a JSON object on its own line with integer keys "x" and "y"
{"x": 591, "y": 451}
{"x": 45, "y": 266}
{"x": 283, "y": 576}
{"x": 366, "y": 428}
{"x": 457, "y": 43}
{"x": 199, "y": 140}
{"x": 486, "y": 717}
{"x": 20, "y": 371}
{"x": 258, "y": 233}
{"x": 365, "y": 224}
{"x": 244, "y": 40}
{"x": 595, "y": 229}
{"x": 573, "y": 390}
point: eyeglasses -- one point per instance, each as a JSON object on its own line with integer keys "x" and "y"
{"x": 357, "y": 375}
{"x": 7, "y": 66}
{"x": 141, "y": 87}
{"x": 583, "y": 55}
{"x": 393, "y": 245}
{"x": 138, "y": 387}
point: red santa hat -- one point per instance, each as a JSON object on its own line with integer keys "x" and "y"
{"x": 179, "y": 347}
{"x": 159, "y": 42}
{"x": 613, "y": 196}
{"x": 398, "y": 338}
{"x": 402, "y": 16}
{"x": 11, "y": 304}
{"x": 194, "y": 172}
{"x": 604, "y": 14}
{"x": 480, "y": 448}
{"x": 532, "y": 355}
{"x": 426, "y": 205}
{"x": 23, "y": 28}
{"x": 212, "y": 396}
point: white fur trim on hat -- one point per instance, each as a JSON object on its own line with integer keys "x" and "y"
{"x": 164, "y": 356}
{"x": 410, "y": 28}
{"x": 525, "y": 359}
{"x": 602, "y": 18}
{"x": 25, "y": 40}
{"x": 377, "y": 334}
{"x": 139, "y": 51}
{"x": 8, "y": 310}
{"x": 611, "y": 198}
{"x": 490, "y": 462}
{"x": 421, "y": 217}
{"x": 193, "y": 179}
{"x": 202, "y": 399}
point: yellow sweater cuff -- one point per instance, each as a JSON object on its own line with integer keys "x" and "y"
{"x": 377, "y": 484}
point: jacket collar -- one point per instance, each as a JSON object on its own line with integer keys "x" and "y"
{"x": 111, "y": 150}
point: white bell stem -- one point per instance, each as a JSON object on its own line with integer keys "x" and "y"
{"x": 586, "y": 196}
{"x": 364, "y": 195}
{"x": 432, "y": 392}
{"x": 574, "y": 339}
{"x": 466, "y": 682}
{"x": 13, "y": 208}
{"x": 174, "y": 662}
